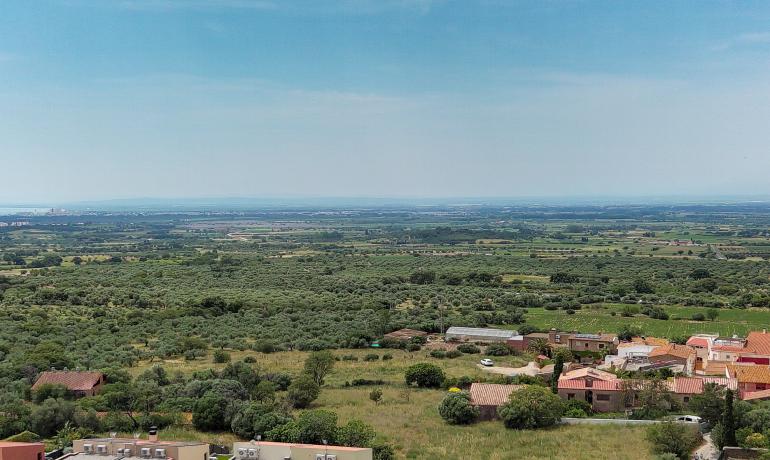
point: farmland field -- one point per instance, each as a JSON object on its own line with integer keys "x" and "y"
{"x": 178, "y": 309}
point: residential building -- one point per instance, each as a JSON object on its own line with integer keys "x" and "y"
{"x": 674, "y": 355}
{"x": 684, "y": 388}
{"x": 757, "y": 348}
{"x": 477, "y": 334}
{"x": 488, "y": 397}
{"x": 128, "y": 448}
{"x": 22, "y": 451}
{"x": 281, "y": 451}
{"x": 726, "y": 349}
{"x": 80, "y": 383}
{"x": 596, "y": 343}
{"x": 701, "y": 343}
{"x": 751, "y": 377}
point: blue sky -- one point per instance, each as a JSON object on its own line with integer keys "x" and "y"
{"x": 108, "y": 99}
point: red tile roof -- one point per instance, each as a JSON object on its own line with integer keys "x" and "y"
{"x": 758, "y": 343}
{"x": 755, "y": 395}
{"x": 588, "y": 372}
{"x": 73, "y": 380}
{"x": 490, "y": 394}
{"x": 698, "y": 342}
{"x": 577, "y": 384}
{"x": 694, "y": 385}
{"x": 727, "y": 348}
{"x": 678, "y": 351}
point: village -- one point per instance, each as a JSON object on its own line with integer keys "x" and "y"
{"x": 605, "y": 374}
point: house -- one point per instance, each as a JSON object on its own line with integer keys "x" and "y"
{"x": 596, "y": 343}
{"x": 684, "y": 388}
{"x": 726, "y": 349}
{"x": 80, "y": 383}
{"x": 701, "y": 343}
{"x": 602, "y": 390}
{"x": 22, "y": 451}
{"x": 110, "y": 448}
{"x": 477, "y": 334}
{"x": 674, "y": 355}
{"x": 404, "y": 335}
{"x": 488, "y": 397}
{"x": 281, "y": 450}
{"x": 751, "y": 377}
{"x": 553, "y": 337}
{"x": 756, "y": 349}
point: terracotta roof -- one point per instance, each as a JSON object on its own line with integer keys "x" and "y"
{"x": 73, "y": 380}
{"x": 727, "y": 348}
{"x": 679, "y": 351}
{"x": 755, "y": 395}
{"x": 698, "y": 342}
{"x": 749, "y": 373}
{"x": 758, "y": 343}
{"x": 491, "y": 394}
{"x": 588, "y": 372}
{"x": 659, "y": 342}
{"x": 606, "y": 385}
{"x": 694, "y": 385}
{"x": 715, "y": 368}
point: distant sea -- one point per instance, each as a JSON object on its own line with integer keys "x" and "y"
{"x": 14, "y": 211}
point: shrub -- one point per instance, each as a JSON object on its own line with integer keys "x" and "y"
{"x": 675, "y": 438}
{"x": 456, "y": 409}
{"x": 438, "y": 354}
{"x": 531, "y": 407}
{"x": 387, "y": 357}
{"x": 210, "y": 412}
{"x": 469, "y": 348}
{"x": 355, "y": 433}
{"x": 698, "y": 317}
{"x": 372, "y": 357}
{"x": 424, "y": 375}
{"x": 497, "y": 349}
{"x": 303, "y": 391}
{"x": 452, "y": 354}
{"x": 221, "y": 356}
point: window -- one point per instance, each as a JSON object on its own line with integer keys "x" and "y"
{"x": 586, "y": 344}
{"x": 570, "y": 396}
{"x": 601, "y": 397}
{"x": 601, "y": 345}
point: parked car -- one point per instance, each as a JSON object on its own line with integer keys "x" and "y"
{"x": 688, "y": 418}
{"x": 487, "y": 362}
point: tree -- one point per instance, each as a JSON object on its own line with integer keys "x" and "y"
{"x": 531, "y": 407}
{"x": 256, "y": 419}
{"x": 456, "y": 409}
{"x": 318, "y": 364}
{"x": 210, "y": 412}
{"x": 652, "y": 396}
{"x": 627, "y": 332}
{"x": 51, "y": 390}
{"x": 49, "y": 417}
{"x": 673, "y": 438}
{"x": 700, "y": 273}
{"x": 355, "y": 433}
{"x": 710, "y": 404}
{"x": 424, "y": 375}
{"x": 642, "y": 286}
{"x": 303, "y": 391}
{"x": 728, "y": 421}
{"x": 558, "y": 367}
{"x": 14, "y": 416}
{"x": 712, "y": 314}
{"x": 376, "y": 395}
{"x": 221, "y": 356}
{"x": 315, "y": 426}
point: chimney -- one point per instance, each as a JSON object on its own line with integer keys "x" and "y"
{"x": 153, "y": 434}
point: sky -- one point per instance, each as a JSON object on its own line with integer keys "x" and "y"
{"x": 110, "y": 99}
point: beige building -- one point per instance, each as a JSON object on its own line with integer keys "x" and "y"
{"x": 262, "y": 450}
{"x": 124, "y": 448}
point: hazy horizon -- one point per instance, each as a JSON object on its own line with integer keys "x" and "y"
{"x": 391, "y": 98}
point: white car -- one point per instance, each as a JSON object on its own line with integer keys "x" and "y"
{"x": 487, "y": 362}
{"x": 689, "y": 418}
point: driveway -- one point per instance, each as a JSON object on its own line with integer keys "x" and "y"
{"x": 531, "y": 369}
{"x": 708, "y": 451}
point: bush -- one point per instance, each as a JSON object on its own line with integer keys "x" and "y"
{"x": 372, "y": 357}
{"x": 497, "y": 349}
{"x": 383, "y": 452}
{"x": 674, "y": 438}
{"x": 456, "y": 409}
{"x": 452, "y": 354}
{"x": 424, "y": 375}
{"x": 303, "y": 391}
{"x": 438, "y": 354}
{"x": 355, "y": 433}
{"x": 531, "y": 407}
{"x": 698, "y": 317}
{"x": 210, "y": 412}
{"x": 387, "y": 357}
{"x": 221, "y": 356}
{"x": 469, "y": 348}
